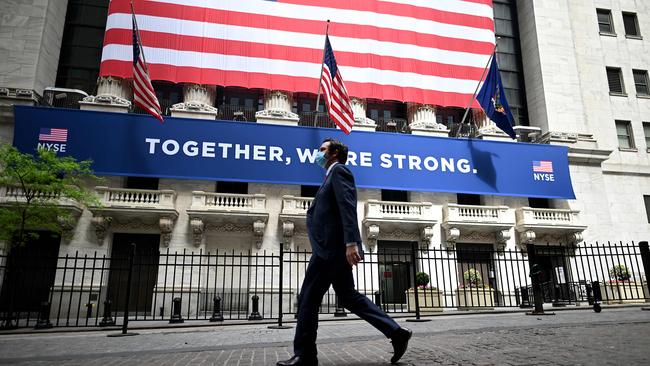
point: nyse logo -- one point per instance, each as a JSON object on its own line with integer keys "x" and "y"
{"x": 544, "y": 177}
{"x": 53, "y": 139}
{"x": 543, "y": 171}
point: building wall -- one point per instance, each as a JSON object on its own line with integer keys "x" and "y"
{"x": 30, "y": 41}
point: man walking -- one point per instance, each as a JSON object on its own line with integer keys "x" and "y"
{"x": 336, "y": 247}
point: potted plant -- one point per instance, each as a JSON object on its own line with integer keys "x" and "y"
{"x": 472, "y": 293}
{"x": 428, "y": 297}
{"x": 621, "y": 288}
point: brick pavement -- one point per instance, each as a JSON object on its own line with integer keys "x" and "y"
{"x": 614, "y": 337}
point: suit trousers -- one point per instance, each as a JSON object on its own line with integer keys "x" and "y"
{"x": 320, "y": 275}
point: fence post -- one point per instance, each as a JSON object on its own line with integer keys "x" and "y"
{"x": 107, "y": 319}
{"x": 414, "y": 260}
{"x": 339, "y": 311}
{"x": 645, "y": 259}
{"x": 8, "y": 319}
{"x": 125, "y": 322}
{"x": 217, "y": 316}
{"x": 280, "y": 292}
{"x": 176, "y": 311}
{"x": 255, "y": 314}
{"x": 535, "y": 272}
{"x": 43, "y": 321}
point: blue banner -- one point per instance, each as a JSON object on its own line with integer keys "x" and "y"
{"x": 138, "y": 145}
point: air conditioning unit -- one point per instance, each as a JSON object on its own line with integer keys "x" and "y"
{"x": 62, "y": 97}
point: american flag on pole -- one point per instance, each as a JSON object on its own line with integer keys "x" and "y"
{"x": 424, "y": 51}
{"x": 338, "y": 101}
{"x": 143, "y": 94}
{"x": 543, "y": 166}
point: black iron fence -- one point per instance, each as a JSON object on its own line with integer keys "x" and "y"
{"x": 83, "y": 290}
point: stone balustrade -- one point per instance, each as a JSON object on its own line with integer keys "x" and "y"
{"x": 209, "y": 201}
{"x": 136, "y": 198}
{"x": 292, "y": 205}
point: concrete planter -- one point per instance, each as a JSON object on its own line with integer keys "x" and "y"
{"x": 623, "y": 292}
{"x": 475, "y": 298}
{"x": 428, "y": 300}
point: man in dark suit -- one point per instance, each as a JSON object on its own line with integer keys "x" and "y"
{"x": 336, "y": 246}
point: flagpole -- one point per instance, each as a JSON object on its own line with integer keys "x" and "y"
{"x": 322, "y": 66}
{"x": 478, "y": 85}
{"x": 137, "y": 30}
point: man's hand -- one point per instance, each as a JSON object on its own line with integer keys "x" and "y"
{"x": 352, "y": 254}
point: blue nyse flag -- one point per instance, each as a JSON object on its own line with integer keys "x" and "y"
{"x": 492, "y": 98}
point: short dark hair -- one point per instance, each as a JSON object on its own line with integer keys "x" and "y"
{"x": 337, "y": 147}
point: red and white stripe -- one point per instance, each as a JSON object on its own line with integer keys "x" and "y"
{"x": 408, "y": 50}
{"x": 143, "y": 92}
{"x": 338, "y": 101}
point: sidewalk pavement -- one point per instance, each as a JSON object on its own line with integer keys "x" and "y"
{"x": 613, "y": 337}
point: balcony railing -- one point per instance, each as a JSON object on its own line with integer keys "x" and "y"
{"x": 136, "y": 198}
{"x": 396, "y": 125}
{"x": 236, "y": 113}
{"x": 399, "y": 210}
{"x": 228, "y": 202}
{"x": 292, "y": 205}
{"x": 17, "y": 194}
{"x": 475, "y": 214}
{"x": 547, "y": 217}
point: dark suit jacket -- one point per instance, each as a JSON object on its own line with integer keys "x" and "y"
{"x": 332, "y": 217}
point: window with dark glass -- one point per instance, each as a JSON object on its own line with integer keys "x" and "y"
{"x": 308, "y": 191}
{"x": 646, "y": 200}
{"x": 539, "y": 202}
{"x": 631, "y": 24}
{"x": 394, "y": 195}
{"x": 509, "y": 58}
{"x": 232, "y": 187}
{"x": 81, "y": 45}
{"x": 238, "y": 104}
{"x": 624, "y": 134}
{"x": 141, "y": 183}
{"x": 641, "y": 82}
{"x": 605, "y": 23}
{"x": 167, "y": 93}
{"x": 389, "y": 116}
{"x": 615, "y": 80}
{"x": 468, "y": 199}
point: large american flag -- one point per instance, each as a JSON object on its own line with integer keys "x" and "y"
{"x": 426, "y": 51}
{"x": 144, "y": 95}
{"x": 338, "y": 101}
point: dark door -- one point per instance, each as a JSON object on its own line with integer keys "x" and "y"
{"x": 395, "y": 271}
{"x": 555, "y": 279}
{"x": 30, "y": 273}
{"x": 144, "y": 273}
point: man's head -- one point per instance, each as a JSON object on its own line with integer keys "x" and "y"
{"x": 334, "y": 151}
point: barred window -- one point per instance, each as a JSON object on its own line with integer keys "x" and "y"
{"x": 615, "y": 80}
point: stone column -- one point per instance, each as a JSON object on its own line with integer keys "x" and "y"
{"x": 277, "y": 109}
{"x": 113, "y": 95}
{"x": 361, "y": 122}
{"x": 422, "y": 120}
{"x": 487, "y": 129}
{"x": 198, "y": 102}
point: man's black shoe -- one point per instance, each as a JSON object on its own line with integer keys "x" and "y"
{"x": 400, "y": 340}
{"x": 299, "y": 361}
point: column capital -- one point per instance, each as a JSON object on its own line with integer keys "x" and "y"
{"x": 113, "y": 95}
{"x": 422, "y": 120}
{"x": 361, "y": 121}
{"x": 277, "y": 109}
{"x": 198, "y": 101}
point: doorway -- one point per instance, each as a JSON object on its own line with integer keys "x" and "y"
{"x": 144, "y": 274}
{"x": 395, "y": 271}
{"x": 30, "y": 274}
{"x": 554, "y": 280}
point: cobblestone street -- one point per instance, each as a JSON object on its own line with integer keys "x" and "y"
{"x": 613, "y": 337}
